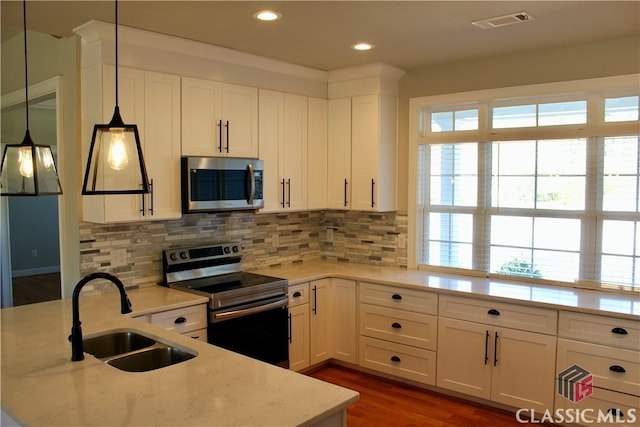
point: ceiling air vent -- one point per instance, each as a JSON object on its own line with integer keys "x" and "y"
{"x": 501, "y": 21}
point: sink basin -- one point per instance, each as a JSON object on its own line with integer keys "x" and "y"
{"x": 115, "y": 343}
{"x": 148, "y": 360}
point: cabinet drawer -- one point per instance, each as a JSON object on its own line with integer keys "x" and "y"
{"x": 182, "y": 320}
{"x": 603, "y": 403}
{"x": 404, "y": 327}
{"x": 600, "y": 329}
{"x": 200, "y": 335}
{"x": 612, "y": 368}
{"x": 399, "y": 360}
{"x": 395, "y": 297}
{"x": 500, "y": 314}
{"x": 298, "y": 294}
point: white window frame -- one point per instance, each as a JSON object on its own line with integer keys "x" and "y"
{"x": 593, "y": 90}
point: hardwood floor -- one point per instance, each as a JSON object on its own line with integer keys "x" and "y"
{"x": 392, "y": 404}
{"x": 37, "y": 288}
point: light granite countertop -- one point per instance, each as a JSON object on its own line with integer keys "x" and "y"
{"x": 42, "y": 387}
{"x": 616, "y": 304}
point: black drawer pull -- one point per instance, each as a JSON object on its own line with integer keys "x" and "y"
{"x": 396, "y": 325}
{"x": 397, "y": 297}
{"x": 297, "y": 294}
{"x": 180, "y": 320}
{"x": 617, "y": 368}
{"x": 619, "y": 331}
{"x": 395, "y": 359}
{"x": 616, "y": 412}
{"x": 493, "y": 312}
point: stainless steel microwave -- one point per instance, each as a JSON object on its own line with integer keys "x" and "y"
{"x": 212, "y": 184}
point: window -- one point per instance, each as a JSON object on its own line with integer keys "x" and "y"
{"x": 544, "y": 186}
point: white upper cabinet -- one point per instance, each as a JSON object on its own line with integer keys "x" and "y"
{"x": 151, "y": 101}
{"x": 339, "y": 154}
{"x": 219, "y": 119}
{"x": 317, "y": 153}
{"x": 283, "y": 148}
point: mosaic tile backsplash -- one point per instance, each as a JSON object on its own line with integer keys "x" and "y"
{"x": 133, "y": 251}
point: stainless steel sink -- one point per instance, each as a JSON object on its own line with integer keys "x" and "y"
{"x": 133, "y": 352}
{"x": 115, "y": 343}
{"x": 148, "y": 360}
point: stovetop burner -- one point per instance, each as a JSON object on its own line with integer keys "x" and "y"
{"x": 227, "y": 282}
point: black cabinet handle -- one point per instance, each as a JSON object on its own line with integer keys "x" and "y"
{"x": 315, "y": 300}
{"x": 373, "y": 184}
{"x": 486, "y": 348}
{"x": 395, "y": 359}
{"x": 617, "y": 368}
{"x": 220, "y": 136}
{"x": 345, "y": 192}
{"x": 151, "y": 197}
{"x": 283, "y": 201}
{"x": 493, "y": 312}
{"x": 290, "y": 330}
{"x": 297, "y": 294}
{"x": 619, "y": 331}
{"x": 616, "y": 412}
{"x": 396, "y": 297}
{"x": 226, "y": 126}
{"x": 396, "y": 325}
{"x": 143, "y": 209}
{"x": 495, "y": 350}
{"x": 289, "y": 192}
{"x": 180, "y": 320}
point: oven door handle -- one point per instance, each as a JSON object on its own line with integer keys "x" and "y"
{"x": 248, "y": 309}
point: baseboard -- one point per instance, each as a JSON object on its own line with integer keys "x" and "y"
{"x": 35, "y": 271}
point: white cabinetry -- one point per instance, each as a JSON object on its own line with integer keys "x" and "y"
{"x": 398, "y": 331}
{"x": 609, "y": 349}
{"x": 190, "y": 321}
{"x": 151, "y": 101}
{"x": 219, "y": 119}
{"x": 299, "y": 327}
{"x": 497, "y": 351}
{"x": 333, "y": 320}
{"x": 317, "y": 153}
{"x": 283, "y": 148}
{"x": 362, "y": 152}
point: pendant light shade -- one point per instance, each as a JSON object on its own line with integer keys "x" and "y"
{"x": 115, "y": 164}
{"x": 28, "y": 169}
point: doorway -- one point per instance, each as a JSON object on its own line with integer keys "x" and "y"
{"x": 31, "y": 239}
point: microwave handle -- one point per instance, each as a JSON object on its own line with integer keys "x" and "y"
{"x": 252, "y": 184}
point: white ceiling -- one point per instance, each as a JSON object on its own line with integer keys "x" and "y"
{"x": 318, "y": 34}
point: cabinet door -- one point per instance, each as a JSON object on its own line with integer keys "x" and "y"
{"x": 523, "y": 369}
{"x": 293, "y": 154}
{"x": 320, "y": 317}
{"x": 240, "y": 121}
{"x": 343, "y": 320}
{"x": 271, "y": 138}
{"x": 317, "y": 154}
{"x": 201, "y": 117}
{"x": 339, "y": 154}
{"x": 464, "y": 357}
{"x": 162, "y": 145}
{"x": 299, "y": 337}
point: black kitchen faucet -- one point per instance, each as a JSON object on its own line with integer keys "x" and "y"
{"x": 77, "y": 351}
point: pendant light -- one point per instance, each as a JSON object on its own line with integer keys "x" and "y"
{"x": 28, "y": 169}
{"x": 115, "y": 164}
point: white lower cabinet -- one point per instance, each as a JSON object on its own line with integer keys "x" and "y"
{"x": 190, "y": 321}
{"x": 299, "y": 327}
{"x": 398, "y": 331}
{"x": 505, "y": 365}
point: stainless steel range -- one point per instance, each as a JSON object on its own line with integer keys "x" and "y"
{"x": 248, "y": 313}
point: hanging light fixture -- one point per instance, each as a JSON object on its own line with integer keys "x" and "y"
{"x": 115, "y": 164}
{"x": 28, "y": 169}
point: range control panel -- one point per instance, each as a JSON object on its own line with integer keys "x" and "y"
{"x": 220, "y": 251}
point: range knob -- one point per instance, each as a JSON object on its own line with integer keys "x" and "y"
{"x": 235, "y": 249}
{"x": 227, "y": 250}
{"x": 173, "y": 256}
{"x": 184, "y": 255}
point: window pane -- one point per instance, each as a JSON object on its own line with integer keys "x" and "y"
{"x": 619, "y": 269}
{"x": 557, "y": 233}
{"x": 442, "y": 122}
{"x": 466, "y": 120}
{"x": 621, "y": 252}
{"x": 513, "y": 262}
{"x": 557, "y": 265}
{"x": 454, "y": 176}
{"x": 621, "y": 109}
{"x": 514, "y": 117}
{"x": 450, "y": 238}
{"x": 620, "y": 190}
{"x": 511, "y": 231}
{"x": 619, "y": 237}
{"x": 562, "y": 113}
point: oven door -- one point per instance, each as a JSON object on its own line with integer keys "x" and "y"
{"x": 259, "y": 330}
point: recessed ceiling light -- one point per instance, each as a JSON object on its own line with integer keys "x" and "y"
{"x": 267, "y": 15}
{"x": 362, "y": 46}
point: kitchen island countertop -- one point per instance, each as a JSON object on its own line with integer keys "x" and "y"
{"x": 42, "y": 387}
